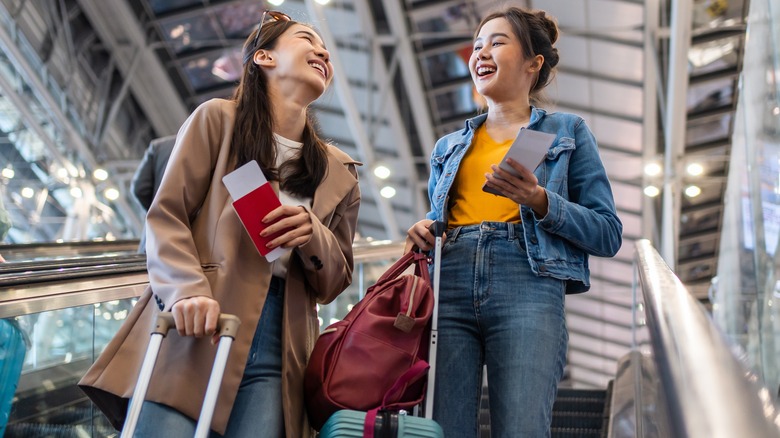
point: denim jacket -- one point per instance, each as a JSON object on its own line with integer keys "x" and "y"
{"x": 581, "y": 218}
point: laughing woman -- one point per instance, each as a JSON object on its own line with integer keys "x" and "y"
{"x": 202, "y": 262}
{"x": 508, "y": 261}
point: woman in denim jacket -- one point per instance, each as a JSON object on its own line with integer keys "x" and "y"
{"x": 508, "y": 261}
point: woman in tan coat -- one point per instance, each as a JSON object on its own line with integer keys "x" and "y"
{"x": 202, "y": 262}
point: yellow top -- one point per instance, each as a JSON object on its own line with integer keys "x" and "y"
{"x": 469, "y": 205}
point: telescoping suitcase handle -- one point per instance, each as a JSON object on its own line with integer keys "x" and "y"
{"x": 228, "y": 326}
{"x": 437, "y": 228}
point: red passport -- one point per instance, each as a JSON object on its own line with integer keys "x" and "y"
{"x": 253, "y": 198}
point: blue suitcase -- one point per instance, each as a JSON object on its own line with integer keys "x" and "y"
{"x": 394, "y": 424}
{"x": 390, "y": 424}
{"x": 12, "y": 351}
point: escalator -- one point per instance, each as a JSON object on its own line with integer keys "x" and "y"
{"x": 68, "y": 310}
{"x": 66, "y": 300}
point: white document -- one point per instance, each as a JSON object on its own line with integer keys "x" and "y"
{"x": 244, "y": 179}
{"x": 529, "y": 149}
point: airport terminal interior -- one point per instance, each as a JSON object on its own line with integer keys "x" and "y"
{"x": 679, "y": 334}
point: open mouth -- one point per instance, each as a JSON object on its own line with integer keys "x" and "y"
{"x": 320, "y": 68}
{"x": 485, "y": 70}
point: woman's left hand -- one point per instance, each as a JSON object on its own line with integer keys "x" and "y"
{"x": 297, "y": 222}
{"x": 523, "y": 189}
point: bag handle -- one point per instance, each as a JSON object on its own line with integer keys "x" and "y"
{"x": 404, "y": 262}
{"x": 413, "y": 374}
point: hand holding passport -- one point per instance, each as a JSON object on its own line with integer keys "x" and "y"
{"x": 528, "y": 149}
{"x": 253, "y": 198}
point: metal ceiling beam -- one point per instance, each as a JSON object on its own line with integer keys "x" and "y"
{"x": 675, "y": 126}
{"x": 118, "y": 28}
{"x": 650, "y": 111}
{"x": 388, "y": 105}
{"x": 353, "y": 117}
{"x": 72, "y": 138}
{"x": 410, "y": 71}
{"x": 30, "y": 121}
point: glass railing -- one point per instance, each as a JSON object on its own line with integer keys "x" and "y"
{"x": 52, "y": 329}
{"x": 746, "y": 291}
{"x": 689, "y": 382}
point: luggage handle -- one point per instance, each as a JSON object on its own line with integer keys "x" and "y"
{"x": 437, "y": 228}
{"x": 227, "y": 328}
{"x": 227, "y": 325}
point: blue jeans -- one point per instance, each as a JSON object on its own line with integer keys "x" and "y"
{"x": 494, "y": 311}
{"x": 258, "y": 405}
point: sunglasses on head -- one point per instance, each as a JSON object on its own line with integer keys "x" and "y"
{"x": 268, "y": 15}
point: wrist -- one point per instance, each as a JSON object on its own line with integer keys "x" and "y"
{"x": 539, "y": 201}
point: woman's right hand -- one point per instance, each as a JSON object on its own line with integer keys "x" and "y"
{"x": 196, "y": 316}
{"x": 419, "y": 236}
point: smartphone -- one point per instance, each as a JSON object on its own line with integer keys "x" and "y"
{"x": 528, "y": 149}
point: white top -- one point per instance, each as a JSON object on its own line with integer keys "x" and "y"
{"x": 287, "y": 149}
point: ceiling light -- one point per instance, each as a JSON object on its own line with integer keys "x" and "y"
{"x": 7, "y": 173}
{"x": 62, "y": 173}
{"x": 322, "y": 2}
{"x": 111, "y": 194}
{"x": 28, "y": 192}
{"x": 695, "y": 169}
{"x": 692, "y": 191}
{"x": 176, "y": 31}
{"x": 75, "y": 192}
{"x": 276, "y": 2}
{"x": 100, "y": 174}
{"x": 382, "y": 172}
{"x": 652, "y": 191}
{"x": 387, "y": 192}
{"x": 652, "y": 169}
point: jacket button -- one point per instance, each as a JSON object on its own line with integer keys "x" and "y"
{"x": 534, "y": 240}
{"x": 542, "y": 268}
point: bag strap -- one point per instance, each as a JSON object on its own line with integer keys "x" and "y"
{"x": 413, "y": 374}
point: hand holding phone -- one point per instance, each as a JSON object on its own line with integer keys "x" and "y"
{"x": 528, "y": 149}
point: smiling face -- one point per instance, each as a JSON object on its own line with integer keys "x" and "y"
{"x": 497, "y": 65}
{"x": 299, "y": 57}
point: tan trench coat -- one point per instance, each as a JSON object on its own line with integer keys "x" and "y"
{"x": 198, "y": 247}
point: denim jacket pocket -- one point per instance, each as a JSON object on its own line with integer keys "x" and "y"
{"x": 564, "y": 144}
{"x": 556, "y": 168}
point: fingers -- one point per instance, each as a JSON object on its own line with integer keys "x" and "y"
{"x": 518, "y": 187}
{"x": 419, "y": 235}
{"x": 295, "y": 219}
{"x": 196, "y": 316}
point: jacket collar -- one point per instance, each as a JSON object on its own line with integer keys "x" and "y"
{"x": 336, "y": 185}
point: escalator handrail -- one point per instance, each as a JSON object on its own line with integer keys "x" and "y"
{"x": 114, "y": 278}
{"x": 28, "y": 251}
{"x": 705, "y": 386}
{"x": 34, "y": 266}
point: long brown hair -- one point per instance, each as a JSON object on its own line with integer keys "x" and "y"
{"x": 537, "y": 33}
{"x": 253, "y": 131}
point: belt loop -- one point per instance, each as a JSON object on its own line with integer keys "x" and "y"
{"x": 510, "y": 231}
{"x": 452, "y": 233}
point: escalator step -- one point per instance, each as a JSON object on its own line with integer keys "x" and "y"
{"x": 579, "y": 405}
{"x": 40, "y": 430}
{"x": 588, "y": 420}
{"x": 582, "y": 393}
{"x": 572, "y": 432}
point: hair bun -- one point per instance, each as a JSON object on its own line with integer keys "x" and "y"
{"x": 549, "y": 24}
